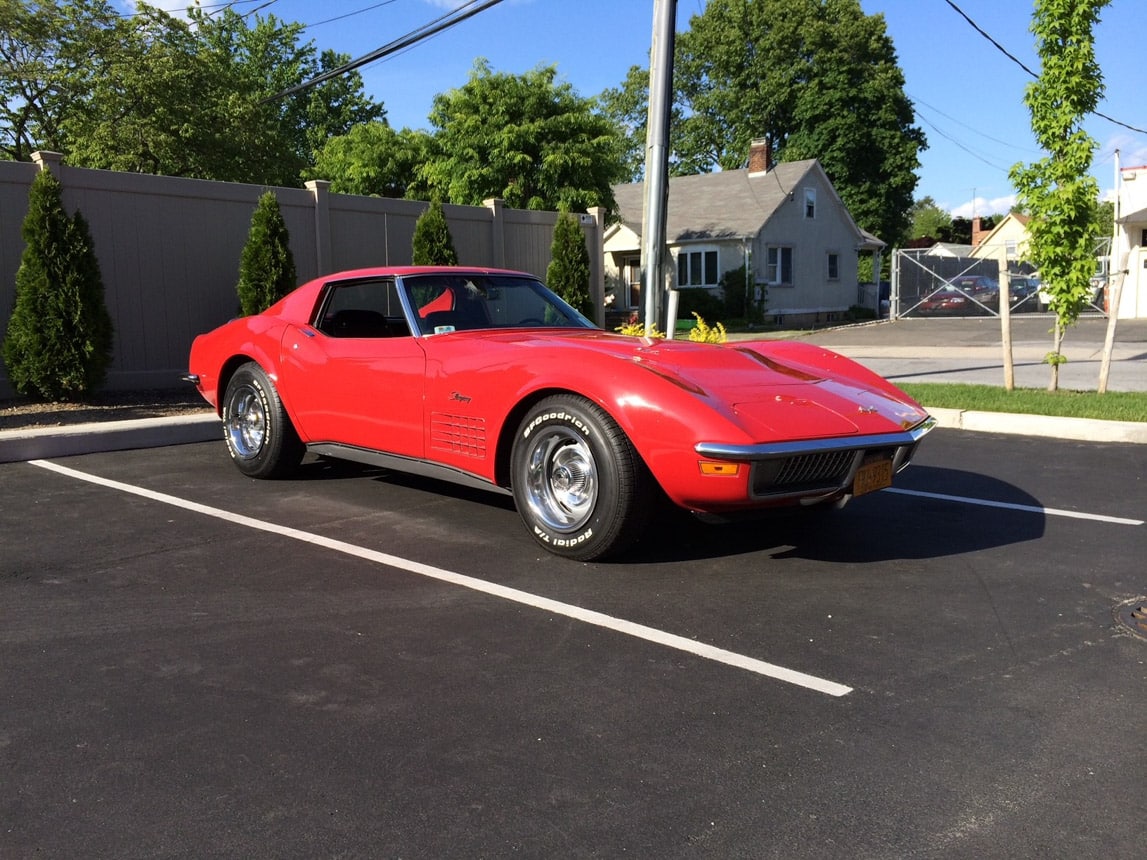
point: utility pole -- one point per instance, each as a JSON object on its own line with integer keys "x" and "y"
{"x": 1113, "y": 289}
{"x": 657, "y": 158}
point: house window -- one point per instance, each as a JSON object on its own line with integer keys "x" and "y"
{"x": 779, "y": 264}
{"x": 833, "y": 266}
{"x": 1010, "y": 249}
{"x": 697, "y": 269}
{"x": 810, "y": 203}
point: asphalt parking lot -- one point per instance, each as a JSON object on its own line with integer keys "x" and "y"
{"x": 359, "y": 664}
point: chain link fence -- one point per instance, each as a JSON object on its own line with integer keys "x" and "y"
{"x": 943, "y": 282}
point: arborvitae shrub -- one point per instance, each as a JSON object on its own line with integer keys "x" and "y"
{"x": 266, "y": 267}
{"x": 59, "y": 340}
{"x": 568, "y": 273}
{"x": 432, "y": 244}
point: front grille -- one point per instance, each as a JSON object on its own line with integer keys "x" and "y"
{"x": 815, "y": 468}
{"x": 802, "y": 473}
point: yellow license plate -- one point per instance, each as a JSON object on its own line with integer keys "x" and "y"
{"x": 872, "y": 476}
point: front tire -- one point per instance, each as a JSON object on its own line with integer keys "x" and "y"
{"x": 580, "y": 488}
{"x": 260, "y": 438}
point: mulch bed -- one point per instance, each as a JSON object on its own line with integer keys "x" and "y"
{"x": 22, "y": 413}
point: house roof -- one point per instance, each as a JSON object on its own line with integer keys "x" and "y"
{"x": 1016, "y": 217}
{"x": 949, "y": 249}
{"x": 730, "y": 205}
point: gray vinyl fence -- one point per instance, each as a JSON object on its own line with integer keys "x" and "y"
{"x": 169, "y": 250}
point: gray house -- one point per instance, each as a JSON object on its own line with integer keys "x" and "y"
{"x": 785, "y": 223}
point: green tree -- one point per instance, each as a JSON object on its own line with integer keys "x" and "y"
{"x": 51, "y": 57}
{"x": 266, "y": 266}
{"x": 526, "y": 139}
{"x": 152, "y": 108}
{"x": 158, "y": 94}
{"x": 1104, "y": 218}
{"x": 372, "y": 159}
{"x": 817, "y": 78}
{"x": 59, "y": 339}
{"x": 928, "y": 220}
{"x": 432, "y": 244}
{"x": 1057, "y": 191}
{"x": 569, "y": 272}
{"x": 252, "y": 59}
{"x": 628, "y": 108}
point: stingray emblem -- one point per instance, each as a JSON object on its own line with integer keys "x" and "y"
{"x": 461, "y": 398}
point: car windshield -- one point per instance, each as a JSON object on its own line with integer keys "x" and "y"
{"x": 443, "y": 303}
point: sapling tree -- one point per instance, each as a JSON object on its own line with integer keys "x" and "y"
{"x": 1057, "y": 190}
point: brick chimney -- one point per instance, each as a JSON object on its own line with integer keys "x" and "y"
{"x": 978, "y": 232}
{"x": 760, "y": 156}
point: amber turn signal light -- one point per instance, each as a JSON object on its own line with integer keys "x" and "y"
{"x": 719, "y": 469}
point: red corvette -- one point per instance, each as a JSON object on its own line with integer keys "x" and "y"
{"x": 485, "y": 377}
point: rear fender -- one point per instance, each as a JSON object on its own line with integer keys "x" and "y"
{"x": 217, "y": 355}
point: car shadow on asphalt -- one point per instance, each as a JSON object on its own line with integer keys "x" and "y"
{"x": 931, "y": 513}
{"x": 949, "y": 512}
{"x": 333, "y": 469}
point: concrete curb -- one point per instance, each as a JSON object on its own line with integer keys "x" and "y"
{"x": 1048, "y": 426}
{"x": 40, "y": 443}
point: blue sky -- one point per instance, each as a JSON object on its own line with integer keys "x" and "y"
{"x": 968, "y": 94}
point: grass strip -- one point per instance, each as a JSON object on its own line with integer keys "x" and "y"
{"x": 1112, "y": 406}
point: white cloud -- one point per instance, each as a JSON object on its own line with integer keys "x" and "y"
{"x": 983, "y": 206}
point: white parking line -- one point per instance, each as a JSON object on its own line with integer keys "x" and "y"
{"x": 587, "y": 616}
{"x": 1033, "y": 509}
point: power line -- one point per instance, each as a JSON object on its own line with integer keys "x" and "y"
{"x": 444, "y": 22}
{"x": 349, "y": 14}
{"x": 957, "y": 143}
{"x": 973, "y": 129}
{"x": 210, "y": 8}
{"x": 1019, "y": 63}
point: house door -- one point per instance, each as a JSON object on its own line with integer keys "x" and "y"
{"x": 632, "y": 283}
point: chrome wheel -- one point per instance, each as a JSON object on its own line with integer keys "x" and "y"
{"x": 579, "y": 486}
{"x": 260, "y": 437}
{"x": 246, "y": 422}
{"x": 561, "y": 481}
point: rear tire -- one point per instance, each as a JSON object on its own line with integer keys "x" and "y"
{"x": 580, "y": 488}
{"x": 260, "y": 438}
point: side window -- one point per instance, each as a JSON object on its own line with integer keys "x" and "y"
{"x": 362, "y": 309}
{"x": 810, "y": 203}
{"x": 779, "y": 265}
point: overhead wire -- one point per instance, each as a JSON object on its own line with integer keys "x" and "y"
{"x": 443, "y": 22}
{"x": 958, "y": 144}
{"x": 349, "y": 14}
{"x": 1024, "y": 66}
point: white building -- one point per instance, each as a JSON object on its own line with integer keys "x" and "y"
{"x": 1129, "y": 247}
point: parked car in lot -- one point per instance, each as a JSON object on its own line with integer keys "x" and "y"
{"x": 971, "y": 295}
{"x": 487, "y": 378}
{"x": 1023, "y": 293}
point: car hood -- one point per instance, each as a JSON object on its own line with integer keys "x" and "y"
{"x": 770, "y": 388}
